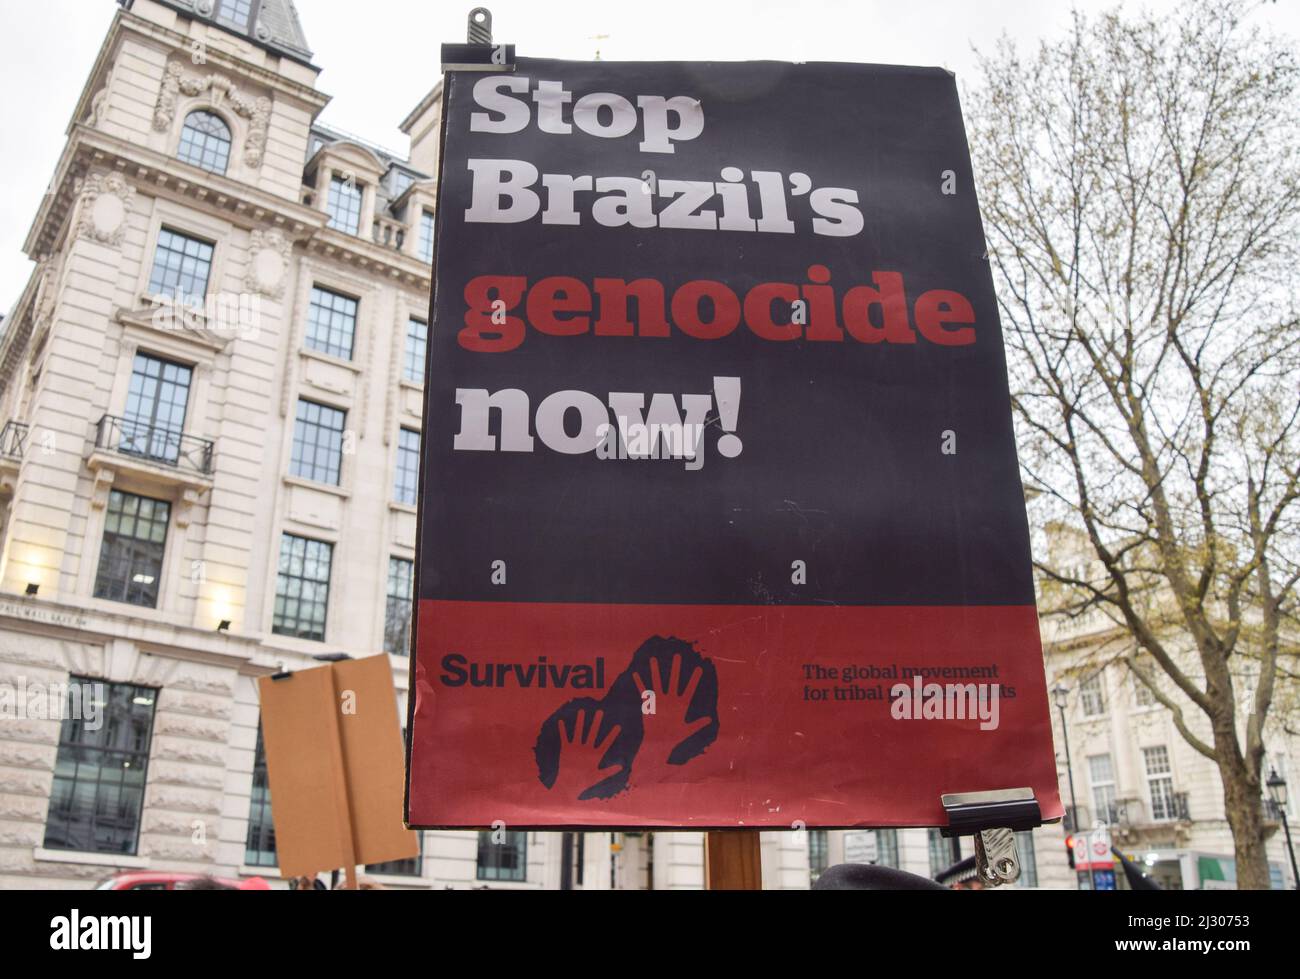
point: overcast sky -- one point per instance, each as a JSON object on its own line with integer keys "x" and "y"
{"x": 380, "y": 57}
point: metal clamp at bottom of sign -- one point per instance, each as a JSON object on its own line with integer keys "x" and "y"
{"x": 993, "y": 818}
{"x": 478, "y": 53}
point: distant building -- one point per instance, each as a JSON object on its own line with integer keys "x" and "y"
{"x": 1133, "y": 772}
{"x": 210, "y": 393}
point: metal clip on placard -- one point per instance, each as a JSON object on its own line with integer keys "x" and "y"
{"x": 993, "y": 818}
{"x": 478, "y": 53}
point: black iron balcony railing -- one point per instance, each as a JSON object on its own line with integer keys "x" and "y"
{"x": 13, "y": 440}
{"x": 154, "y": 443}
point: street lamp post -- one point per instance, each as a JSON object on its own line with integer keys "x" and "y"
{"x": 1060, "y": 694}
{"x": 1277, "y": 792}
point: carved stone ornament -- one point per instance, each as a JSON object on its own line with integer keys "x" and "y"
{"x": 269, "y": 253}
{"x": 105, "y": 204}
{"x": 221, "y": 91}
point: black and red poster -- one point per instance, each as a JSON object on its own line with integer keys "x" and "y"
{"x": 721, "y": 519}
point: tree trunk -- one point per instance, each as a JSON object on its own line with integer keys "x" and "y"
{"x": 1242, "y": 804}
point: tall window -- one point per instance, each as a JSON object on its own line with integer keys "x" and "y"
{"x": 331, "y": 323}
{"x": 1092, "y": 697}
{"x": 259, "y": 848}
{"x": 100, "y": 769}
{"x": 181, "y": 266}
{"x": 407, "y": 484}
{"x": 818, "y": 853}
{"x": 205, "y": 141}
{"x": 417, "y": 341}
{"x": 1160, "y": 783}
{"x": 1101, "y": 776}
{"x": 507, "y": 860}
{"x": 887, "y": 848}
{"x": 397, "y": 612}
{"x": 1142, "y": 695}
{"x": 302, "y": 588}
{"x": 426, "y": 236}
{"x": 940, "y": 852}
{"x": 317, "y": 443}
{"x": 131, "y": 558}
{"x": 155, "y": 409}
{"x": 235, "y": 13}
{"x": 1028, "y": 859}
{"x": 344, "y": 206}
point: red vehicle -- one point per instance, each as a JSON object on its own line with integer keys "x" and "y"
{"x": 148, "y": 881}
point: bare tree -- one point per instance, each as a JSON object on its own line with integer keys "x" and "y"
{"x": 1140, "y": 181}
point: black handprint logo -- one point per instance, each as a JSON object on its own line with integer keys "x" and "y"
{"x": 661, "y": 711}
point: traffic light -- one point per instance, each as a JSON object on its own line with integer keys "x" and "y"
{"x": 1069, "y": 849}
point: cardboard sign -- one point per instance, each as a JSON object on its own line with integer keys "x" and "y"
{"x": 721, "y": 522}
{"x": 334, "y": 762}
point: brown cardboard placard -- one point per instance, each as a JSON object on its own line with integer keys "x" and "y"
{"x": 334, "y": 761}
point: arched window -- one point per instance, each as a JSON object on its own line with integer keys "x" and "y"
{"x": 205, "y": 141}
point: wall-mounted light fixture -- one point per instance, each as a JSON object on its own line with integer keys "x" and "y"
{"x": 33, "y": 587}
{"x": 224, "y": 625}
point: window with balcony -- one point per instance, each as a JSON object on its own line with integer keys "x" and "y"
{"x": 344, "y": 205}
{"x": 154, "y": 418}
{"x": 259, "y": 847}
{"x": 1101, "y": 777}
{"x": 397, "y": 611}
{"x": 181, "y": 267}
{"x": 407, "y": 483}
{"x": 205, "y": 142}
{"x": 507, "y": 860}
{"x": 131, "y": 557}
{"x": 302, "y": 588}
{"x": 331, "y": 323}
{"x": 1092, "y": 697}
{"x": 1160, "y": 783}
{"x": 426, "y": 236}
{"x": 417, "y": 342}
{"x": 100, "y": 768}
{"x": 317, "y": 452}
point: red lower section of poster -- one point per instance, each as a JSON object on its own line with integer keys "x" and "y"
{"x": 722, "y": 715}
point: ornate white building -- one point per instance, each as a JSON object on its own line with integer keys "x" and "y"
{"x": 210, "y": 394}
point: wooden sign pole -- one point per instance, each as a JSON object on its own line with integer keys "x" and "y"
{"x": 732, "y": 861}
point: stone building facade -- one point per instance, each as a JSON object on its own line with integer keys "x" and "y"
{"x": 210, "y": 393}
{"x": 1160, "y": 801}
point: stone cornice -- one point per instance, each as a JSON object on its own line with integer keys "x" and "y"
{"x": 124, "y": 21}
{"x": 240, "y": 203}
{"x": 88, "y": 148}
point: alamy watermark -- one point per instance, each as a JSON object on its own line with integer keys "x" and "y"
{"x": 27, "y": 700}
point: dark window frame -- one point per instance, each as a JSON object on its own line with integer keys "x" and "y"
{"x": 406, "y": 473}
{"x": 316, "y": 452}
{"x": 343, "y": 203}
{"x": 416, "y": 351}
{"x": 131, "y": 549}
{"x": 397, "y": 637}
{"x": 202, "y": 144}
{"x": 283, "y": 624}
{"x": 261, "y": 824}
{"x": 490, "y": 866}
{"x": 76, "y": 743}
{"x": 175, "y": 267}
{"x": 332, "y": 320}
